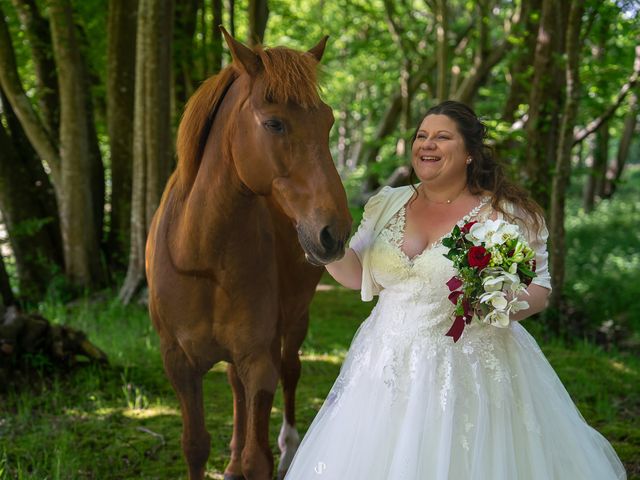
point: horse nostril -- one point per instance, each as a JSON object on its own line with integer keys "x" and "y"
{"x": 327, "y": 240}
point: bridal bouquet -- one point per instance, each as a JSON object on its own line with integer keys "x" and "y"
{"x": 494, "y": 264}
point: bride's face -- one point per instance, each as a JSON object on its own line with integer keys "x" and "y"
{"x": 438, "y": 153}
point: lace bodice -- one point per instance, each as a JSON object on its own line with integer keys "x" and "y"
{"x": 426, "y": 272}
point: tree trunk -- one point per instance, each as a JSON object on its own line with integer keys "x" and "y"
{"x": 400, "y": 39}
{"x": 600, "y": 154}
{"x": 216, "y": 37}
{"x": 121, "y": 42}
{"x": 545, "y": 100}
{"x": 39, "y": 35}
{"x": 258, "y": 16}
{"x": 520, "y": 72}
{"x": 44, "y": 144}
{"x": 630, "y": 122}
{"x": 6, "y": 293}
{"x": 442, "y": 49}
{"x": 232, "y": 17}
{"x": 41, "y": 186}
{"x": 563, "y": 158}
{"x": 484, "y": 60}
{"x": 83, "y": 262}
{"x": 593, "y": 185}
{"x": 186, "y": 74}
{"x": 152, "y": 142}
{"x": 33, "y": 232}
{"x": 96, "y": 167}
{"x": 479, "y": 73}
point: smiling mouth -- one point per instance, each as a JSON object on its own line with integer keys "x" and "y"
{"x": 429, "y": 158}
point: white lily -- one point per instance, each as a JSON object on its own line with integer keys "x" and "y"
{"x": 497, "y": 318}
{"x": 498, "y": 300}
{"x": 493, "y": 284}
{"x": 482, "y": 231}
{"x": 516, "y": 305}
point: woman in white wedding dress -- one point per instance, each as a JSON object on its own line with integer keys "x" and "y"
{"x": 409, "y": 403}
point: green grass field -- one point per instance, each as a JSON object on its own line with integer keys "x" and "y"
{"x": 122, "y": 421}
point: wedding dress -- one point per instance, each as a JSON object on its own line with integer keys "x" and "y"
{"x": 410, "y": 404}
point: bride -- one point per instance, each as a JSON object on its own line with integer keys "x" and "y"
{"x": 409, "y": 403}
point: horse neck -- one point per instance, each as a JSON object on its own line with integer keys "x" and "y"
{"x": 218, "y": 207}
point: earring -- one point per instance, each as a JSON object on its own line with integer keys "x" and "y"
{"x": 469, "y": 159}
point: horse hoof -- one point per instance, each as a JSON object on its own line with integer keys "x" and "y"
{"x": 233, "y": 476}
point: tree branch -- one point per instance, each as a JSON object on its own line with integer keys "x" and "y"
{"x": 608, "y": 113}
{"x": 37, "y": 134}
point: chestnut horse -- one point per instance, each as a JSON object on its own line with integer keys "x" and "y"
{"x": 255, "y": 201}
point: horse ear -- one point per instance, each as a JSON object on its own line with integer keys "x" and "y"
{"x": 318, "y": 50}
{"x": 241, "y": 54}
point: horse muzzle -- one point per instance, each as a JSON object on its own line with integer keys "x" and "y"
{"x": 326, "y": 247}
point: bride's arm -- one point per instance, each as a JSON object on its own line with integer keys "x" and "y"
{"x": 537, "y": 300}
{"x": 347, "y": 271}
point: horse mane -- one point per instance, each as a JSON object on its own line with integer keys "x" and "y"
{"x": 288, "y": 75}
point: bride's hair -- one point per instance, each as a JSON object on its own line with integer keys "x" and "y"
{"x": 485, "y": 173}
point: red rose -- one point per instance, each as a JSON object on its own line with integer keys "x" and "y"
{"x": 454, "y": 284}
{"x": 453, "y": 296}
{"x": 478, "y": 257}
{"x": 467, "y": 227}
{"x": 533, "y": 265}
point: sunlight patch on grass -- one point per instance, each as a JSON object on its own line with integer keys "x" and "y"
{"x": 106, "y": 411}
{"x": 323, "y": 357}
{"x": 150, "y": 412}
{"x": 622, "y": 367}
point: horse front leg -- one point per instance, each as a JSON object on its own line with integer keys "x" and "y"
{"x": 187, "y": 382}
{"x": 258, "y": 372}
{"x": 234, "y": 469}
{"x": 289, "y": 438}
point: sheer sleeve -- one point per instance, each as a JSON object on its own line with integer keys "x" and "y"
{"x": 364, "y": 236}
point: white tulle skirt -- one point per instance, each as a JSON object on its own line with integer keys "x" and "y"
{"x": 439, "y": 411}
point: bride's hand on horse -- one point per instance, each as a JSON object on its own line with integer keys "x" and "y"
{"x": 347, "y": 271}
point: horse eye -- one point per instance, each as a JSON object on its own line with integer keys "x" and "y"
{"x": 274, "y": 125}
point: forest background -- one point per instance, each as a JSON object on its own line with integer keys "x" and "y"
{"x": 91, "y": 92}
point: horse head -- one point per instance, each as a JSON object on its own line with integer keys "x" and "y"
{"x": 279, "y": 144}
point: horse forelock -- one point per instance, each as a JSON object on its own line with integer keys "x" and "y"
{"x": 289, "y": 75}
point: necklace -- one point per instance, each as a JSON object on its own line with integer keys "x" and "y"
{"x": 446, "y": 202}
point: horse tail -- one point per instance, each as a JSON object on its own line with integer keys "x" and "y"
{"x": 195, "y": 125}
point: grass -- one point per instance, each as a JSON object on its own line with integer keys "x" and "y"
{"x": 123, "y": 422}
